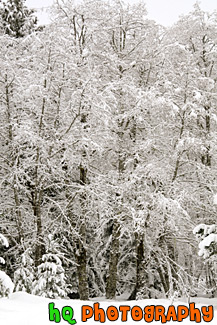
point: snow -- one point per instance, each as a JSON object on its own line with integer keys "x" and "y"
{"x": 193, "y": 114}
{"x": 2, "y": 261}
{"x": 24, "y": 309}
{"x": 211, "y": 229}
{"x": 197, "y": 95}
{"x": 215, "y": 199}
{"x": 205, "y": 243}
{"x": 204, "y": 230}
{"x": 207, "y": 234}
{"x": 175, "y": 107}
{"x": 6, "y": 281}
{"x": 199, "y": 227}
{"x": 4, "y": 241}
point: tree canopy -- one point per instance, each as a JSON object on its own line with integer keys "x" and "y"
{"x": 108, "y": 145}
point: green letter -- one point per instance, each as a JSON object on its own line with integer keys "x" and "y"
{"x": 67, "y": 313}
{"x": 54, "y": 312}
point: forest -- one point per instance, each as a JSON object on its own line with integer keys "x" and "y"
{"x": 108, "y": 151}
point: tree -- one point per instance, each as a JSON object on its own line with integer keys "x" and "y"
{"x": 24, "y": 275}
{"x": 17, "y": 19}
{"x": 6, "y": 285}
{"x": 50, "y": 278}
{"x": 207, "y": 237}
{"x": 4, "y": 243}
{"x": 188, "y": 93}
{"x": 108, "y": 136}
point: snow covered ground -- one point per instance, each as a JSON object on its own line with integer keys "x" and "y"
{"x": 24, "y": 309}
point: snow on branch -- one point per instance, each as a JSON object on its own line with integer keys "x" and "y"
{"x": 203, "y": 230}
{"x": 215, "y": 199}
{"x": 6, "y": 285}
{"x": 207, "y": 234}
{"x": 205, "y": 244}
{"x": 2, "y": 261}
{"x": 4, "y": 241}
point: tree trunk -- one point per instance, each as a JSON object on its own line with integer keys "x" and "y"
{"x": 164, "y": 279}
{"x": 113, "y": 262}
{"x": 40, "y": 248}
{"x": 141, "y": 278}
{"x": 82, "y": 272}
{"x": 81, "y": 253}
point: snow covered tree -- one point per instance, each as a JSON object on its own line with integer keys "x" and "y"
{"x": 188, "y": 94}
{"x": 24, "y": 275}
{"x": 4, "y": 243}
{"x": 108, "y": 136}
{"x": 6, "y": 285}
{"x": 50, "y": 277}
{"x": 17, "y": 19}
{"x": 207, "y": 237}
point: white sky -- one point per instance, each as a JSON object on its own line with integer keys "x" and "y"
{"x": 165, "y": 12}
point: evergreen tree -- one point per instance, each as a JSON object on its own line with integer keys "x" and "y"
{"x": 50, "y": 275}
{"x": 17, "y": 19}
{"x": 3, "y": 242}
{"x": 6, "y": 285}
{"x": 24, "y": 275}
{"x": 207, "y": 237}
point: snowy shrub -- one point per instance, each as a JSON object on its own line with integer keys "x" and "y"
{"x": 24, "y": 275}
{"x": 6, "y": 285}
{"x": 3, "y": 242}
{"x": 207, "y": 235}
{"x": 50, "y": 281}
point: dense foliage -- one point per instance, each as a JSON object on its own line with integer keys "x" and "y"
{"x": 108, "y": 142}
{"x": 17, "y": 20}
